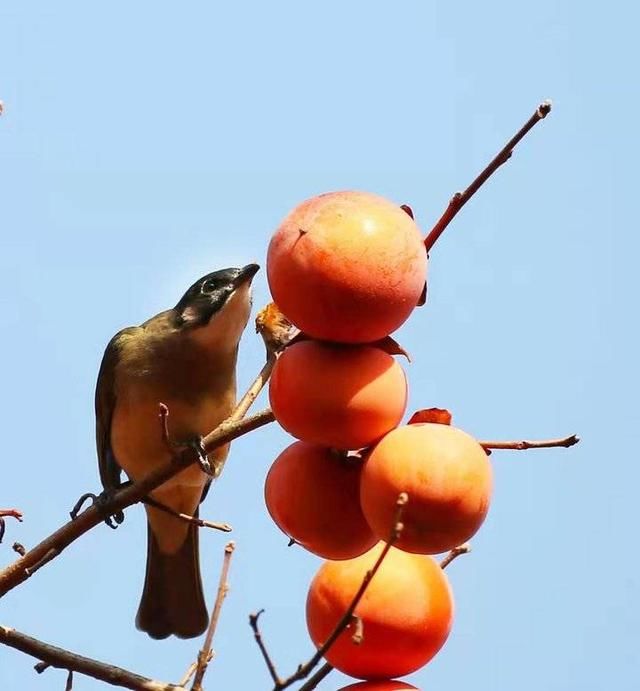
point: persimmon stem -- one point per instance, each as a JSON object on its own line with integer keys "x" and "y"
{"x": 459, "y": 199}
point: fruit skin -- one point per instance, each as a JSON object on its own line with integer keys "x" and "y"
{"x": 343, "y": 397}
{"x": 312, "y": 495}
{"x": 406, "y": 613}
{"x": 347, "y": 266}
{"x": 447, "y": 476}
{"x": 383, "y": 685}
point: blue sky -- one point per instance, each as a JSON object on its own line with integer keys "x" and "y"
{"x": 144, "y": 144}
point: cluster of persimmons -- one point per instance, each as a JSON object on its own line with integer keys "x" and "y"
{"x": 347, "y": 269}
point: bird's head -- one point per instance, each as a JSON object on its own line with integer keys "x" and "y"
{"x": 215, "y": 309}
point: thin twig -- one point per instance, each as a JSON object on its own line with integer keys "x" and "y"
{"x": 316, "y": 678}
{"x": 188, "y": 674}
{"x": 223, "y": 588}
{"x": 254, "y": 390}
{"x": 12, "y": 513}
{"x": 69, "y": 685}
{"x": 454, "y": 554}
{"x": 200, "y": 522}
{"x": 459, "y": 199}
{"x": 65, "y": 659}
{"x": 305, "y": 669}
{"x": 253, "y": 623}
{"x": 565, "y": 442}
{"x": 18, "y": 572}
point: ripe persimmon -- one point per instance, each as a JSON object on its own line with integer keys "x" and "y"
{"x": 341, "y": 396}
{"x": 347, "y": 266}
{"x": 447, "y": 476}
{"x": 312, "y": 496}
{"x": 406, "y": 613}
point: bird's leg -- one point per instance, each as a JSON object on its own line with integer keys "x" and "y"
{"x": 197, "y": 444}
{"x": 112, "y": 520}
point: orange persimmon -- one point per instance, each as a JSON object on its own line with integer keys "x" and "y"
{"x": 344, "y": 397}
{"x": 347, "y": 266}
{"x": 312, "y": 495}
{"x": 406, "y": 613}
{"x": 447, "y": 476}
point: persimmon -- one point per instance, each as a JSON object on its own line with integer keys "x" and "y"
{"x": 406, "y": 613}
{"x": 382, "y": 685}
{"x": 341, "y": 396}
{"x": 347, "y": 266}
{"x": 447, "y": 476}
{"x": 312, "y": 495}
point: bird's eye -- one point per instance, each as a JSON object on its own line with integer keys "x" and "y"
{"x": 209, "y": 287}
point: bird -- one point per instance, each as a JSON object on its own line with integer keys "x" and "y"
{"x": 184, "y": 358}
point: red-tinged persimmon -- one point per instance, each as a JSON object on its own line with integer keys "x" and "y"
{"x": 447, "y": 476}
{"x": 312, "y": 496}
{"x": 347, "y": 266}
{"x": 382, "y": 685}
{"x": 406, "y": 613}
{"x": 340, "y": 396}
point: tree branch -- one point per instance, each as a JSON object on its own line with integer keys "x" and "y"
{"x": 316, "y": 678}
{"x": 64, "y": 659}
{"x": 253, "y": 623}
{"x": 20, "y": 570}
{"x": 459, "y": 199}
{"x": 223, "y": 588}
{"x": 565, "y": 442}
{"x": 200, "y": 522}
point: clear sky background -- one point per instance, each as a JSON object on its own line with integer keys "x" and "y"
{"x": 144, "y": 144}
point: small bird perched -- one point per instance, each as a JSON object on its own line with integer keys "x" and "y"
{"x": 185, "y": 358}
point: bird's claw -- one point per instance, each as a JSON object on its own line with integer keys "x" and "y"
{"x": 112, "y": 520}
{"x": 203, "y": 460}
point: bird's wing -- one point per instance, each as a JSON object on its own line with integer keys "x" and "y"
{"x": 105, "y": 403}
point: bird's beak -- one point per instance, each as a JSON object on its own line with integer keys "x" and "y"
{"x": 245, "y": 274}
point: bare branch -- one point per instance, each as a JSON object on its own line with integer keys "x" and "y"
{"x": 188, "y": 674}
{"x": 454, "y": 554}
{"x": 254, "y": 390}
{"x": 20, "y": 570}
{"x": 459, "y": 199}
{"x": 12, "y": 513}
{"x": 253, "y": 623}
{"x": 200, "y": 522}
{"x": 64, "y": 659}
{"x": 223, "y": 588}
{"x": 316, "y": 678}
{"x": 565, "y": 442}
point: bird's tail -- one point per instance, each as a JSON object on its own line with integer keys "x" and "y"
{"x": 172, "y": 601}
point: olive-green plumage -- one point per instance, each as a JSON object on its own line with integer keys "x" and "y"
{"x": 185, "y": 358}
